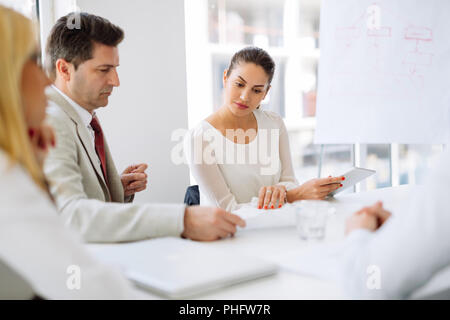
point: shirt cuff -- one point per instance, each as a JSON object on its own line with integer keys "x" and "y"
{"x": 129, "y": 199}
{"x": 288, "y": 184}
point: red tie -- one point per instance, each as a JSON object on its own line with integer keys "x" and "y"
{"x": 99, "y": 145}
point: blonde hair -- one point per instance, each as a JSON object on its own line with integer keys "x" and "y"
{"x": 17, "y": 43}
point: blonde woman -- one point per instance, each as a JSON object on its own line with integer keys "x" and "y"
{"x": 34, "y": 244}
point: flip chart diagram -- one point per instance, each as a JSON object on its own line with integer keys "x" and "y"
{"x": 384, "y": 72}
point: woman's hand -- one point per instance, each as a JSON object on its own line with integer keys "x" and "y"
{"x": 370, "y": 218}
{"x": 270, "y": 195}
{"x": 42, "y": 138}
{"x": 315, "y": 189}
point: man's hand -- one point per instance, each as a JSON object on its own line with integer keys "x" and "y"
{"x": 208, "y": 224}
{"x": 134, "y": 179}
{"x": 370, "y": 218}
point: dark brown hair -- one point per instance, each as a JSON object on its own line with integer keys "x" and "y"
{"x": 73, "y": 36}
{"x": 253, "y": 55}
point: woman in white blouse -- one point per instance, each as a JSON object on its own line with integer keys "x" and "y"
{"x": 240, "y": 151}
{"x": 35, "y": 246}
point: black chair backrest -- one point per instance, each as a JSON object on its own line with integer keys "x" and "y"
{"x": 192, "y": 197}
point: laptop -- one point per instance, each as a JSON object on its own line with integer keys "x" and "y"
{"x": 176, "y": 268}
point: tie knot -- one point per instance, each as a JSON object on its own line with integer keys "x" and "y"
{"x": 95, "y": 124}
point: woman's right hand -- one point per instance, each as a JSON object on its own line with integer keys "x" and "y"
{"x": 41, "y": 139}
{"x": 269, "y": 196}
{"x": 315, "y": 189}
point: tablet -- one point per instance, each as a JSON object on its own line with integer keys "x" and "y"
{"x": 352, "y": 177}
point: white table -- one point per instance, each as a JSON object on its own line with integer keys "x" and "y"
{"x": 271, "y": 243}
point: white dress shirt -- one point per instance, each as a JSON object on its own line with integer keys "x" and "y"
{"x": 35, "y": 243}
{"x": 227, "y": 184}
{"x": 409, "y": 248}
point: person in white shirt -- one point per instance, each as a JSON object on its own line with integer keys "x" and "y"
{"x": 38, "y": 254}
{"x": 89, "y": 193}
{"x": 402, "y": 251}
{"x": 241, "y": 151}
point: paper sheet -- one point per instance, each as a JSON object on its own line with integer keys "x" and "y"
{"x": 259, "y": 218}
{"x": 320, "y": 261}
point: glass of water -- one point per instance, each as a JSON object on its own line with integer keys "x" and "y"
{"x": 311, "y": 216}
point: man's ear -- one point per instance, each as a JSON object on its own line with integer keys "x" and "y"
{"x": 63, "y": 69}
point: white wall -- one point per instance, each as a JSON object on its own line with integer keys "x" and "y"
{"x": 49, "y": 12}
{"x": 151, "y": 101}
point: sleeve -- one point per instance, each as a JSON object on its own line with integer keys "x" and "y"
{"x": 203, "y": 165}
{"x": 129, "y": 199}
{"x": 287, "y": 177}
{"x": 96, "y": 220}
{"x": 407, "y": 251}
{"x": 35, "y": 244}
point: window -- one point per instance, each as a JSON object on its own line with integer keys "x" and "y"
{"x": 414, "y": 160}
{"x": 378, "y": 158}
{"x": 26, "y": 7}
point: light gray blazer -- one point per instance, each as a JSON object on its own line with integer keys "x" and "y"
{"x": 78, "y": 186}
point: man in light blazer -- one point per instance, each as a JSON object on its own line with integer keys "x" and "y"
{"x": 90, "y": 194}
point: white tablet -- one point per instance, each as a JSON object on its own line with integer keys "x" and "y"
{"x": 352, "y": 177}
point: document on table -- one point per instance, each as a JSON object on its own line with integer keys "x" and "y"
{"x": 319, "y": 260}
{"x": 259, "y": 218}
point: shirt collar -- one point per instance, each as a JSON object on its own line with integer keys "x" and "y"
{"x": 84, "y": 115}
